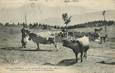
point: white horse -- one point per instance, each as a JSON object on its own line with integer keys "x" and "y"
{"x": 38, "y": 39}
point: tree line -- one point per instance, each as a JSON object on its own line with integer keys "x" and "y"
{"x": 48, "y": 26}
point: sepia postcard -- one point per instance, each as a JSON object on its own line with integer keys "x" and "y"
{"x": 57, "y": 36}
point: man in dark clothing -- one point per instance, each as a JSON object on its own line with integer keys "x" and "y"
{"x": 23, "y": 37}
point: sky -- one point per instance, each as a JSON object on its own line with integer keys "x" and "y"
{"x": 93, "y": 4}
{"x": 12, "y": 9}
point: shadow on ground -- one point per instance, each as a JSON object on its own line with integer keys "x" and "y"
{"x": 11, "y": 48}
{"x": 22, "y": 49}
{"x": 65, "y": 62}
{"x": 37, "y": 50}
{"x": 106, "y": 62}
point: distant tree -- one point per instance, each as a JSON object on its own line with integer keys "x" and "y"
{"x": 1, "y": 24}
{"x": 6, "y": 24}
{"x": 55, "y": 26}
{"x": 24, "y": 25}
{"x": 67, "y": 20}
{"x": 18, "y": 24}
{"x": 44, "y": 26}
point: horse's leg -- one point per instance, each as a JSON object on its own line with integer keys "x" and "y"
{"x": 38, "y": 48}
{"x": 76, "y": 54}
{"x": 81, "y": 56}
{"x": 85, "y": 52}
{"x": 55, "y": 45}
{"x": 104, "y": 38}
{"x": 85, "y": 55}
{"x": 101, "y": 40}
{"x": 24, "y": 44}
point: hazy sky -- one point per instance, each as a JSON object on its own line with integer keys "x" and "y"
{"x": 93, "y": 4}
{"x": 10, "y": 10}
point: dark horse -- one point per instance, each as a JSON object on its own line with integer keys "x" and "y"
{"x": 81, "y": 45}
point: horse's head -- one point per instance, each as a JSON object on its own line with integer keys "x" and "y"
{"x": 28, "y": 33}
{"x": 29, "y": 38}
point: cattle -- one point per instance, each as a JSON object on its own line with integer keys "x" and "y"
{"x": 80, "y": 45}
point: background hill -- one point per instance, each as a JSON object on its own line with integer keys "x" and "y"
{"x": 82, "y": 18}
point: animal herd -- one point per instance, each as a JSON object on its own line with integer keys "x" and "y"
{"x": 79, "y": 45}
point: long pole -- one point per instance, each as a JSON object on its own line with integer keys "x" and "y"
{"x": 104, "y": 21}
{"x": 67, "y": 30}
{"x": 25, "y": 18}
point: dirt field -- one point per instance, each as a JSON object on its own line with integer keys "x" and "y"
{"x": 101, "y": 58}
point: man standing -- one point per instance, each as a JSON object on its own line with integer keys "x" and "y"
{"x": 23, "y": 42}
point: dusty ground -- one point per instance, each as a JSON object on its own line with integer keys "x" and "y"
{"x": 101, "y": 58}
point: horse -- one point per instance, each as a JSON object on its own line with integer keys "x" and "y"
{"x": 98, "y": 30}
{"x": 37, "y": 39}
{"x": 80, "y": 45}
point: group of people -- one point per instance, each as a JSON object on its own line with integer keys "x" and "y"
{"x": 102, "y": 35}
